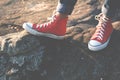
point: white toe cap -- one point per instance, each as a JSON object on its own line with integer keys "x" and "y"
{"x": 27, "y": 25}
{"x": 94, "y": 43}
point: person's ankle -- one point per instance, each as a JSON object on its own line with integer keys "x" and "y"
{"x": 61, "y": 15}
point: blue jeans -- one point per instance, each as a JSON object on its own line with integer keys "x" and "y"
{"x": 109, "y": 7}
{"x": 66, "y": 6}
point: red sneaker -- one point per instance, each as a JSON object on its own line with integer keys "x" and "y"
{"x": 101, "y": 37}
{"x": 56, "y": 28}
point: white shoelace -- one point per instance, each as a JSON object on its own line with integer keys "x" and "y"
{"x": 102, "y": 25}
{"x": 46, "y": 24}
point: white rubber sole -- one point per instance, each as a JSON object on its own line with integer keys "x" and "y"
{"x": 98, "y": 47}
{"x": 36, "y": 33}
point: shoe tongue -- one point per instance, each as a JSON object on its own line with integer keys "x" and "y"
{"x": 53, "y": 17}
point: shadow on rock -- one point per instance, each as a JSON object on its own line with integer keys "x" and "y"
{"x": 28, "y": 57}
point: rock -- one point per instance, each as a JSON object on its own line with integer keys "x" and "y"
{"x": 16, "y": 43}
{"x": 67, "y": 59}
{"x": 27, "y": 57}
{"x": 17, "y": 67}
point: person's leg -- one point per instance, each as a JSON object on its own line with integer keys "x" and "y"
{"x": 101, "y": 37}
{"x": 110, "y": 8}
{"x": 66, "y": 6}
{"x": 56, "y": 27}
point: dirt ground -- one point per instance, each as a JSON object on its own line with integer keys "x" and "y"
{"x": 69, "y": 60}
{"x": 13, "y": 13}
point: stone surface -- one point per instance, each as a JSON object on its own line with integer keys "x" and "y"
{"x": 67, "y": 59}
{"x": 27, "y": 57}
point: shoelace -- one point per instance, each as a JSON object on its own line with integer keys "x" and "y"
{"x": 46, "y": 24}
{"x": 101, "y": 26}
{"x": 51, "y": 17}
